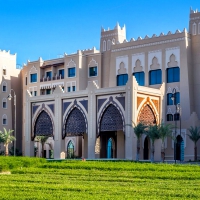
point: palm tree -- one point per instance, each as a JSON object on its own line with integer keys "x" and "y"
{"x": 42, "y": 140}
{"x": 164, "y": 131}
{"x": 153, "y": 133}
{"x": 6, "y": 138}
{"x": 194, "y": 136}
{"x": 139, "y": 129}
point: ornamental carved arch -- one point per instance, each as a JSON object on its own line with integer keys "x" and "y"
{"x": 148, "y": 113}
{"x": 75, "y": 123}
{"x": 43, "y": 124}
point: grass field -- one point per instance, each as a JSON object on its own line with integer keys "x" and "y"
{"x": 33, "y": 178}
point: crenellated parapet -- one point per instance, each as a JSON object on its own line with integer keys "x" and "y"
{"x": 153, "y": 40}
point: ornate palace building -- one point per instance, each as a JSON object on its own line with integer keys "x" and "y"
{"x": 83, "y": 101}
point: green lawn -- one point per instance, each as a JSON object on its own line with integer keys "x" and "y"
{"x": 33, "y": 178}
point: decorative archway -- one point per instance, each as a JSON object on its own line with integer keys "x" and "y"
{"x": 70, "y": 150}
{"x": 111, "y": 120}
{"x": 43, "y": 125}
{"x": 179, "y": 145}
{"x": 75, "y": 124}
{"x": 147, "y": 115}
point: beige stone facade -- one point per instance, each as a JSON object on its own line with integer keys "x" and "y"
{"x": 10, "y": 79}
{"x": 83, "y": 101}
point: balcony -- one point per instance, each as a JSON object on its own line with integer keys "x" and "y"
{"x": 44, "y": 79}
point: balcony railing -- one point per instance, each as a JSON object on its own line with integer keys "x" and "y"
{"x": 44, "y": 79}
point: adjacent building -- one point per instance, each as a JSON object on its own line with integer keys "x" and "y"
{"x": 10, "y": 84}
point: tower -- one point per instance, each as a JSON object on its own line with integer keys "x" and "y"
{"x": 118, "y": 34}
{"x": 194, "y": 30}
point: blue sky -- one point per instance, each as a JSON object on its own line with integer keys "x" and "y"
{"x": 48, "y": 28}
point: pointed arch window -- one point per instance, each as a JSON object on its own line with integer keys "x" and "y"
{"x": 199, "y": 28}
{"x": 104, "y": 45}
{"x": 4, "y": 87}
{"x": 70, "y": 150}
{"x": 194, "y": 29}
{"x": 169, "y": 117}
{"x": 108, "y": 44}
{"x": 4, "y": 103}
{"x": 4, "y": 120}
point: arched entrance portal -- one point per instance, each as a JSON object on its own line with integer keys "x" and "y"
{"x": 146, "y": 148}
{"x": 111, "y": 132}
{"x": 179, "y": 148}
{"x": 70, "y": 150}
{"x": 75, "y": 124}
{"x": 110, "y": 148}
{"x": 147, "y": 117}
{"x": 43, "y": 127}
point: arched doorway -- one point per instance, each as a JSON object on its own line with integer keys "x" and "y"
{"x": 43, "y": 130}
{"x": 147, "y": 117}
{"x": 179, "y": 148}
{"x": 75, "y": 125}
{"x": 70, "y": 150}
{"x": 110, "y": 145}
{"x": 146, "y": 148}
{"x": 111, "y": 126}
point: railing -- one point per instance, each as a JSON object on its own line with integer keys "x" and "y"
{"x": 44, "y": 79}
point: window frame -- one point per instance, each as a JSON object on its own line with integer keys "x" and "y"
{"x": 171, "y": 116}
{"x": 70, "y": 68}
{"x": 117, "y": 79}
{"x": 174, "y": 76}
{"x": 31, "y": 78}
{"x": 4, "y": 117}
{"x": 48, "y": 90}
{"x": 194, "y": 29}
{"x": 138, "y": 81}
{"x": 96, "y": 71}
{"x": 4, "y": 100}
{"x": 150, "y": 78}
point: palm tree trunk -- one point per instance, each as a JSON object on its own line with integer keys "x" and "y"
{"x": 152, "y": 152}
{"x": 6, "y": 153}
{"x": 163, "y": 152}
{"x": 138, "y": 150}
{"x": 195, "y": 152}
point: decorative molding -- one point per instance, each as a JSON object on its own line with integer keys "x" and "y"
{"x": 194, "y": 18}
{"x": 73, "y": 64}
{"x": 139, "y": 100}
{"x": 155, "y": 54}
{"x": 149, "y": 44}
{"x": 138, "y": 56}
{"x": 94, "y": 61}
{"x": 119, "y": 60}
{"x": 168, "y": 52}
